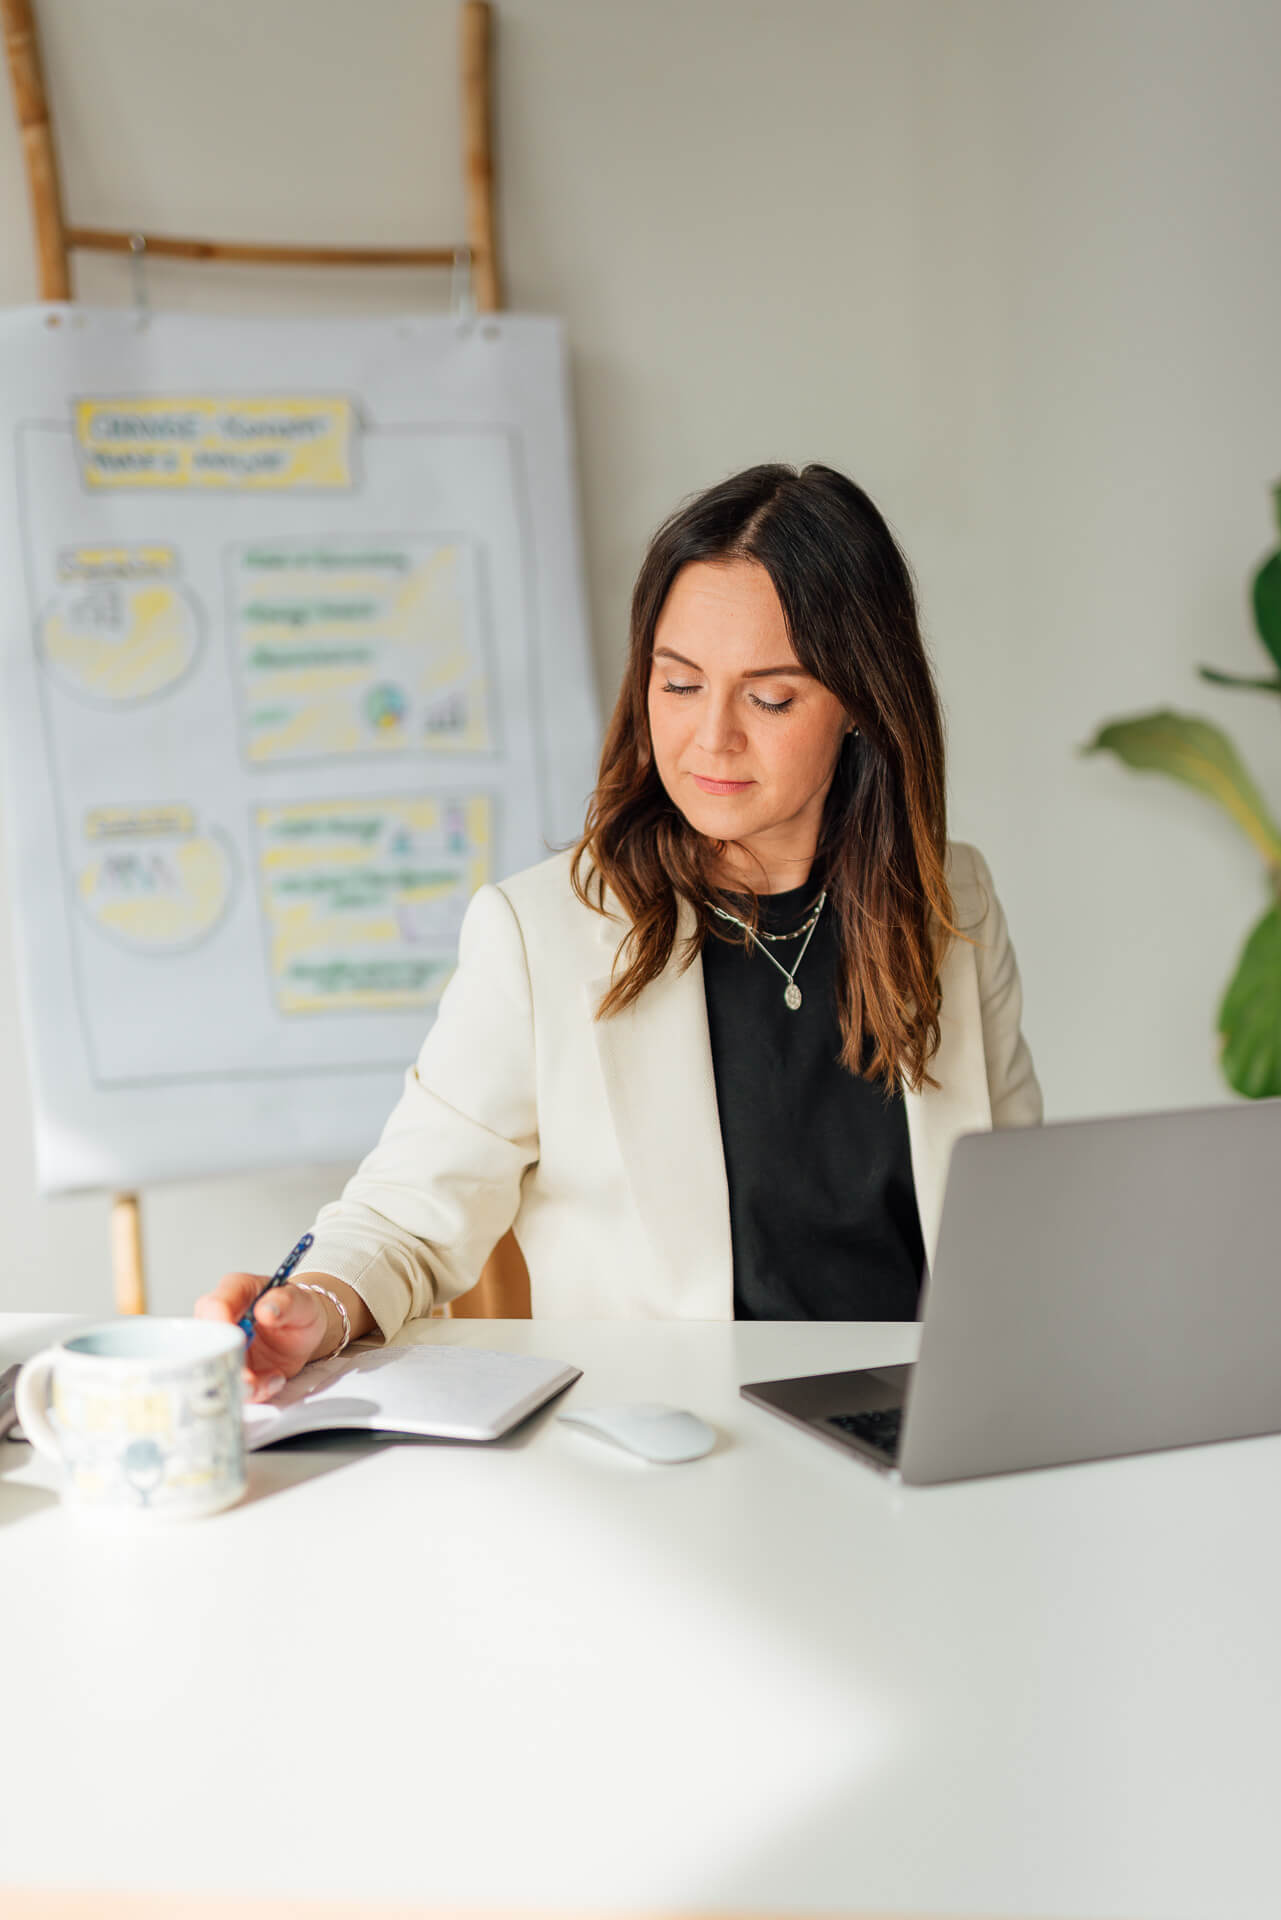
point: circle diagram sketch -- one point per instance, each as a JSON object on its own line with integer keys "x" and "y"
{"x": 151, "y": 881}
{"x": 118, "y": 629}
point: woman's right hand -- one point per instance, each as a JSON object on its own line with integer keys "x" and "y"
{"x": 291, "y": 1328}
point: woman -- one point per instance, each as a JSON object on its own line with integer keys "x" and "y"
{"x": 711, "y": 1061}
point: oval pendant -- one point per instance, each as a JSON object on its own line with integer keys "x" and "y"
{"x": 792, "y": 997}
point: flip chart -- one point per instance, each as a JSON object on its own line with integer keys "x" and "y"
{"x": 295, "y": 658}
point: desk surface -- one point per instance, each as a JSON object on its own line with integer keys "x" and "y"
{"x": 766, "y": 1681}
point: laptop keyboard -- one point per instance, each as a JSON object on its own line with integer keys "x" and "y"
{"x": 879, "y": 1429}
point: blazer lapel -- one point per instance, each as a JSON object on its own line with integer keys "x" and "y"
{"x": 656, "y": 1059}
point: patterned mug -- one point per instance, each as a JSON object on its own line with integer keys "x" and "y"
{"x": 143, "y": 1415}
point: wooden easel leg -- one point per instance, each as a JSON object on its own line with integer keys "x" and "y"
{"x": 126, "y": 1254}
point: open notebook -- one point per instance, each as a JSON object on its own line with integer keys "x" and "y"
{"x": 450, "y": 1393}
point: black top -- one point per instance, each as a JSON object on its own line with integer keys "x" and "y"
{"x": 822, "y": 1204}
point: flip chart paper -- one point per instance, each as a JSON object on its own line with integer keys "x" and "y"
{"x": 295, "y": 657}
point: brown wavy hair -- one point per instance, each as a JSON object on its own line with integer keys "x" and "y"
{"x": 849, "y": 603}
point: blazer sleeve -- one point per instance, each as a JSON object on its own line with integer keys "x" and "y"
{"x": 425, "y": 1208}
{"x": 1011, "y": 1078}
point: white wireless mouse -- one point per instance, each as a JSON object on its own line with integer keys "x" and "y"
{"x": 661, "y": 1434}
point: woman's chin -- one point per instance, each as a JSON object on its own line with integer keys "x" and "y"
{"x": 725, "y": 819}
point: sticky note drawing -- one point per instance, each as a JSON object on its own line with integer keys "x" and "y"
{"x": 369, "y": 646}
{"x": 363, "y": 899}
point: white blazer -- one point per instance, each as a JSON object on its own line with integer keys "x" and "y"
{"x": 598, "y": 1140}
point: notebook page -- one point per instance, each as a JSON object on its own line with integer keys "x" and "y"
{"x": 458, "y": 1393}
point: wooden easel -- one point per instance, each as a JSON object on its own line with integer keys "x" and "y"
{"x": 499, "y": 1290}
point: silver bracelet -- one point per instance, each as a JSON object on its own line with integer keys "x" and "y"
{"x": 305, "y": 1286}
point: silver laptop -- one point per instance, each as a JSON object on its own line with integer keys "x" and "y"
{"x": 1100, "y": 1287}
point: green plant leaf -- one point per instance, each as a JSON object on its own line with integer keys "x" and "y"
{"x": 1200, "y": 755}
{"x": 1263, "y": 683}
{"x": 1266, "y": 594}
{"x": 1250, "y": 1014}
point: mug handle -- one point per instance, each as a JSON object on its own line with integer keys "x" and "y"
{"x": 30, "y": 1398}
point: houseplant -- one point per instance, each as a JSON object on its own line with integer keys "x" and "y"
{"x": 1201, "y": 755}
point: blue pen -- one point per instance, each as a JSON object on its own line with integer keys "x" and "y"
{"x": 277, "y": 1279}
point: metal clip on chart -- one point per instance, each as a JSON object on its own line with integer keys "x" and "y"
{"x": 138, "y": 274}
{"x": 462, "y": 298}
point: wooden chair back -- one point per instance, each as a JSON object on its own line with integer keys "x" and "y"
{"x": 502, "y": 1292}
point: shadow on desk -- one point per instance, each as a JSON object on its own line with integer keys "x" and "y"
{"x": 274, "y": 1471}
{"x": 20, "y": 1501}
{"x": 305, "y": 1456}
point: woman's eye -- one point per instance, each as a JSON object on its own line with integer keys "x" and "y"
{"x": 695, "y": 686}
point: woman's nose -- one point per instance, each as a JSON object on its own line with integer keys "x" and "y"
{"x": 718, "y": 729}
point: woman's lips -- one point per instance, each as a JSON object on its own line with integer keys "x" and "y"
{"x": 721, "y": 786}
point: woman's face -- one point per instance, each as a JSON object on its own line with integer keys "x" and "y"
{"x": 745, "y": 741}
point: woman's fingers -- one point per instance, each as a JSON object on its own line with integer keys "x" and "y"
{"x": 230, "y": 1299}
{"x": 289, "y": 1326}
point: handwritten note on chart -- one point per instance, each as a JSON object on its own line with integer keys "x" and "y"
{"x": 364, "y": 899}
{"x": 279, "y": 442}
{"x": 349, "y": 647}
{"x": 296, "y": 661}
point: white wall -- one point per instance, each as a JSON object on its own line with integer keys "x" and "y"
{"x": 1011, "y": 264}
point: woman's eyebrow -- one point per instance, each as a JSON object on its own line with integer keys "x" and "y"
{"x": 757, "y": 673}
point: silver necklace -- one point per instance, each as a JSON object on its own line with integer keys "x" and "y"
{"x": 812, "y": 913}
{"x": 791, "y": 992}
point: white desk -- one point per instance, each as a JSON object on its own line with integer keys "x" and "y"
{"x": 769, "y": 1680}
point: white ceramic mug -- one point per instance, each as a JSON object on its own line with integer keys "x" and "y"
{"x": 143, "y": 1415}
